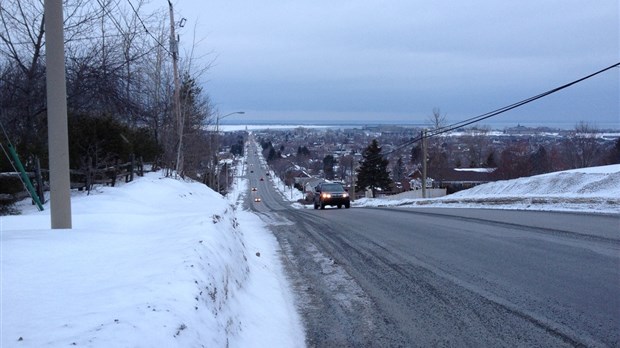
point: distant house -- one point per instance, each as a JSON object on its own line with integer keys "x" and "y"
{"x": 519, "y": 129}
{"x": 298, "y": 174}
{"x": 308, "y": 184}
{"x": 455, "y": 179}
{"x": 415, "y": 180}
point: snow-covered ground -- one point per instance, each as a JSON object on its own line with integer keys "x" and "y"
{"x": 160, "y": 262}
{"x": 157, "y": 262}
{"x": 595, "y": 189}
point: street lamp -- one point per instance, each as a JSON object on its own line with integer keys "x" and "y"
{"x": 217, "y": 148}
{"x": 217, "y": 121}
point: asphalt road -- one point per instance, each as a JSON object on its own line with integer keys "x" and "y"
{"x": 447, "y": 277}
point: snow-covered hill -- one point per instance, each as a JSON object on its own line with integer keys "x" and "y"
{"x": 595, "y": 189}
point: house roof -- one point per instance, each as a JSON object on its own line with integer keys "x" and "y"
{"x": 469, "y": 175}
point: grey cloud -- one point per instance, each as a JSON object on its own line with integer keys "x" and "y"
{"x": 406, "y": 57}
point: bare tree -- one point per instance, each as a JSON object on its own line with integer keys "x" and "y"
{"x": 613, "y": 155}
{"x": 22, "y": 45}
{"x": 117, "y": 66}
{"x": 437, "y": 120}
{"x": 582, "y": 148}
{"x": 437, "y": 153}
{"x": 197, "y": 111}
{"x": 156, "y": 81}
{"x": 398, "y": 170}
{"x": 22, "y": 41}
{"x": 22, "y": 53}
{"x": 477, "y": 142}
{"x": 345, "y": 166}
{"x": 514, "y": 162}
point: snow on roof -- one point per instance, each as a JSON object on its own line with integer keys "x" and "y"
{"x": 476, "y": 170}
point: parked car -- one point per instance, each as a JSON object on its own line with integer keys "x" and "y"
{"x": 332, "y": 194}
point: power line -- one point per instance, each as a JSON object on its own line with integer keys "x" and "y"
{"x": 496, "y": 112}
{"x": 146, "y": 29}
{"x": 107, "y": 12}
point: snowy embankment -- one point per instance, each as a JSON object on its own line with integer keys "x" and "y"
{"x": 156, "y": 262}
{"x": 595, "y": 189}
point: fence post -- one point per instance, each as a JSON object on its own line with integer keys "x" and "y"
{"x": 89, "y": 174}
{"x": 39, "y": 179}
{"x": 132, "y": 166}
{"x": 114, "y": 172}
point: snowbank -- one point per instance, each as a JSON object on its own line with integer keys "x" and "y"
{"x": 157, "y": 262}
{"x": 595, "y": 189}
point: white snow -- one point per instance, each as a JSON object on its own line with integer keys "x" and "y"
{"x": 476, "y": 170}
{"x": 594, "y": 189}
{"x": 288, "y": 193}
{"x": 259, "y": 127}
{"x": 157, "y": 262}
{"x": 161, "y": 262}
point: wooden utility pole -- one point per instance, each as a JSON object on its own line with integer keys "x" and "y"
{"x": 174, "y": 49}
{"x": 353, "y": 177}
{"x": 217, "y": 154}
{"x": 58, "y": 131}
{"x": 424, "y": 155}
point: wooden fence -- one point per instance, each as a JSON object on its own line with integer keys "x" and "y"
{"x": 85, "y": 179}
{"x": 11, "y": 187}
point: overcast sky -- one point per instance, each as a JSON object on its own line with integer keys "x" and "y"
{"x": 394, "y": 61}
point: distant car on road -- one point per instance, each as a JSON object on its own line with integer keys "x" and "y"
{"x": 261, "y": 179}
{"x": 254, "y": 189}
{"x": 257, "y": 199}
{"x": 332, "y": 194}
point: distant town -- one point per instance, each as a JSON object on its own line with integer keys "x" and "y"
{"x": 456, "y": 160}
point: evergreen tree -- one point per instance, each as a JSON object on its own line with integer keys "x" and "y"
{"x": 303, "y": 151}
{"x": 328, "y": 167}
{"x": 272, "y": 155}
{"x": 373, "y": 173}
{"x": 398, "y": 172}
{"x": 237, "y": 149}
{"x": 540, "y": 162}
{"x": 266, "y": 144}
{"x": 490, "y": 162}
